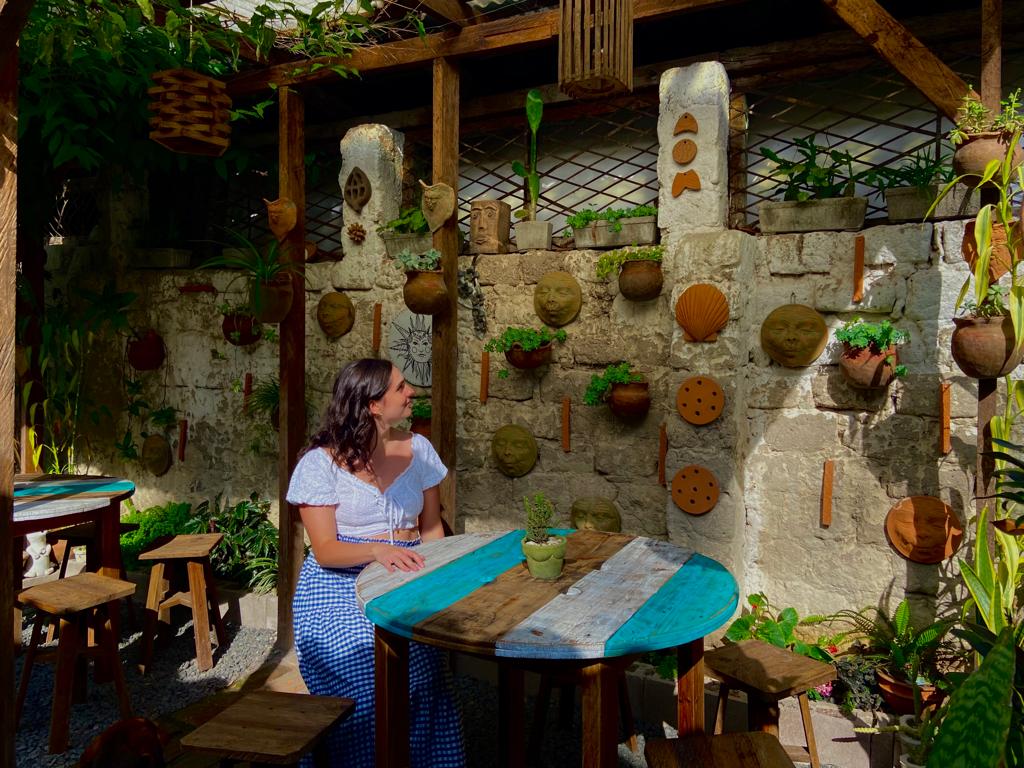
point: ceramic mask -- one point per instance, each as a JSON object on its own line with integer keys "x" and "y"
{"x": 514, "y": 449}
{"x": 794, "y": 335}
{"x": 156, "y": 454}
{"x": 489, "y": 222}
{"x": 557, "y": 299}
{"x": 438, "y": 204}
{"x": 595, "y": 513}
{"x": 335, "y": 314}
{"x": 282, "y": 215}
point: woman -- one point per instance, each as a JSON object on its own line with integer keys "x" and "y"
{"x": 367, "y": 492}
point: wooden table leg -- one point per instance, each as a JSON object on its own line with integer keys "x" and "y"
{"x": 391, "y": 662}
{"x": 18, "y": 543}
{"x": 511, "y": 716}
{"x": 690, "y": 701}
{"x": 600, "y": 716}
{"x": 108, "y": 534}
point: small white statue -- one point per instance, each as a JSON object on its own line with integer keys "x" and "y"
{"x": 39, "y": 551}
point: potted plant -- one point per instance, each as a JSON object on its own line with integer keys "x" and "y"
{"x": 145, "y": 350}
{"x": 424, "y": 292}
{"x": 815, "y": 197}
{"x": 625, "y": 392}
{"x": 265, "y": 400}
{"x": 410, "y": 233}
{"x": 613, "y": 227}
{"x": 530, "y": 233}
{"x": 421, "y": 413}
{"x": 543, "y": 550}
{"x": 240, "y": 326}
{"x": 269, "y": 274}
{"x": 639, "y": 270}
{"x": 981, "y": 137}
{"x": 910, "y": 188}
{"x": 869, "y": 359}
{"x": 525, "y": 347}
{"x": 916, "y": 734}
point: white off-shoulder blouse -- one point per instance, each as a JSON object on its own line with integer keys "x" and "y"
{"x": 361, "y": 509}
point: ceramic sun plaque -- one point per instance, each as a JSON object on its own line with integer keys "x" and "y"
{"x": 794, "y": 335}
{"x": 923, "y": 529}
{"x": 410, "y": 346}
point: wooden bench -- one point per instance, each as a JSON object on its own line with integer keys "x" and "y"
{"x": 730, "y": 750}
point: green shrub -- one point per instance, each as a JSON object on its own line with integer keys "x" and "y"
{"x": 419, "y": 262}
{"x": 878, "y": 336}
{"x": 580, "y": 219}
{"x": 421, "y": 407}
{"x": 154, "y": 522}
{"x": 816, "y": 174}
{"x": 527, "y": 338}
{"x": 600, "y": 386}
{"x": 409, "y": 222}
{"x": 921, "y": 171}
{"x": 611, "y": 261}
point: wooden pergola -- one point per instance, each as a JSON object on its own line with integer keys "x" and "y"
{"x": 466, "y": 35}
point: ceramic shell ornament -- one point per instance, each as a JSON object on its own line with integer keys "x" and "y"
{"x": 702, "y": 311}
{"x": 437, "y": 204}
{"x": 923, "y": 529}
{"x": 794, "y": 335}
{"x": 283, "y": 215}
{"x": 357, "y": 191}
{"x": 335, "y": 314}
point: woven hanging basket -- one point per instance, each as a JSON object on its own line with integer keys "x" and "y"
{"x": 595, "y": 47}
{"x": 190, "y": 113}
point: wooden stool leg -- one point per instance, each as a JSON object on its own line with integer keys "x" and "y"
{"x": 26, "y": 671}
{"x": 566, "y": 704}
{"x": 200, "y": 615}
{"x": 764, "y": 715}
{"x": 723, "y": 702}
{"x": 155, "y": 592}
{"x": 540, "y": 714}
{"x": 71, "y": 636}
{"x": 109, "y": 640}
{"x": 805, "y": 716}
{"x": 64, "y": 560}
{"x": 626, "y": 715}
{"x": 218, "y": 620}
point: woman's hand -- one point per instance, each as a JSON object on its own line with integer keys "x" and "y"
{"x": 392, "y": 557}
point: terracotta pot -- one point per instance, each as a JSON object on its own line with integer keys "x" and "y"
{"x": 425, "y": 292}
{"x": 421, "y": 427}
{"x": 978, "y": 150}
{"x": 275, "y": 298}
{"x": 241, "y": 330}
{"x": 867, "y": 368}
{"x": 983, "y": 346}
{"x": 534, "y": 358}
{"x": 999, "y": 263}
{"x": 146, "y": 353}
{"x": 640, "y": 280}
{"x": 898, "y": 694}
{"x": 630, "y": 401}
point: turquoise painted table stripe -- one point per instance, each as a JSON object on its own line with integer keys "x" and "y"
{"x": 698, "y": 599}
{"x": 53, "y": 489}
{"x": 401, "y": 609}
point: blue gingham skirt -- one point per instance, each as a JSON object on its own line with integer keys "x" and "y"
{"x": 334, "y": 642}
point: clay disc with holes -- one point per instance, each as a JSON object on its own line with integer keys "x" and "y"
{"x": 700, "y": 400}
{"x": 695, "y": 490}
{"x": 923, "y": 529}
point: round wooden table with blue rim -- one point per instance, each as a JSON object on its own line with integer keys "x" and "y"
{"x": 618, "y": 596}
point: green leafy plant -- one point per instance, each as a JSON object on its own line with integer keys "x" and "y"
{"x": 154, "y": 522}
{"x": 526, "y": 339}
{"x": 580, "y": 219}
{"x": 534, "y": 113}
{"x": 260, "y": 266}
{"x": 856, "y": 686}
{"x": 419, "y": 262}
{"x": 878, "y": 336}
{"x": 778, "y": 629}
{"x": 817, "y": 174}
{"x": 973, "y": 117}
{"x": 921, "y": 170}
{"x": 540, "y": 513}
{"x": 421, "y": 407}
{"x": 164, "y": 418}
{"x": 610, "y": 262}
{"x": 600, "y": 386}
{"x": 409, "y": 222}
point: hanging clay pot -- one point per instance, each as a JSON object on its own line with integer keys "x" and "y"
{"x": 146, "y": 353}
{"x": 999, "y": 262}
{"x": 983, "y": 346}
{"x": 534, "y": 358}
{"x": 241, "y": 330}
{"x": 640, "y": 280}
{"x": 868, "y": 368}
{"x": 425, "y": 292}
{"x": 630, "y": 401}
{"x": 274, "y": 299}
{"x": 156, "y": 454}
{"x": 978, "y": 150}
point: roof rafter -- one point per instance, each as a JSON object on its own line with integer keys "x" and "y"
{"x": 454, "y": 11}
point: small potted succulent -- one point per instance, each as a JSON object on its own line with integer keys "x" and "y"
{"x": 626, "y": 392}
{"x": 240, "y": 326}
{"x": 146, "y": 350}
{"x": 613, "y": 227}
{"x": 410, "y": 233}
{"x": 543, "y": 550}
{"x": 869, "y": 359}
{"x": 421, "y": 413}
{"x": 424, "y": 292}
{"x": 910, "y": 188}
{"x": 815, "y": 196}
{"x": 639, "y": 270}
{"x": 981, "y": 137}
{"x": 530, "y": 233}
{"x": 269, "y": 274}
{"x": 525, "y": 348}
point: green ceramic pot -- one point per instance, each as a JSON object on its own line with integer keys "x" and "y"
{"x": 545, "y": 560}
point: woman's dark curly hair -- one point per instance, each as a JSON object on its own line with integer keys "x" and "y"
{"x": 348, "y": 430}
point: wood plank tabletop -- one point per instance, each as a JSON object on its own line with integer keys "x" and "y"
{"x": 46, "y": 497}
{"x": 617, "y": 595}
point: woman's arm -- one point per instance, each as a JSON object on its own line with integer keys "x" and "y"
{"x": 430, "y": 517}
{"x": 331, "y": 553}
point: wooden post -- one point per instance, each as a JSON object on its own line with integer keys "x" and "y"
{"x": 690, "y": 688}
{"x": 988, "y": 403}
{"x": 991, "y": 53}
{"x": 292, "y": 352}
{"x": 446, "y": 240}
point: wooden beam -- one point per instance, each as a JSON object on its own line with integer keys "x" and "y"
{"x": 503, "y": 35}
{"x": 908, "y": 55}
{"x": 292, "y": 352}
{"x": 445, "y": 361}
{"x": 450, "y": 10}
{"x": 13, "y": 15}
{"x": 991, "y": 53}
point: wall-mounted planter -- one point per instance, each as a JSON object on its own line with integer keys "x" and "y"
{"x": 425, "y": 292}
{"x": 983, "y": 346}
{"x": 241, "y": 330}
{"x": 526, "y": 359}
{"x": 275, "y": 298}
{"x": 418, "y": 243}
{"x": 641, "y": 280}
{"x": 533, "y": 235}
{"x": 642, "y": 230}
{"x": 146, "y": 353}
{"x": 834, "y": 213}
{"x": 868, "y": 368}
{"x": 630, "y": 401}
{"x": 978, "y": 150}
{"x": 911, "y": 204}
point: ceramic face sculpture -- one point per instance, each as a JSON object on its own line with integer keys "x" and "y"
{"x": 596, "y": 513}
{"x": 438, "y": 204}
{"x": 514, "y": 449}
{"x": 488, "y": 226}
{"x": 282, "y": 215}
{"x": 335, "y": 314}
{"x": 557, "y": 299}
{"x": 794, "y": 335}
{"x": 156, "y": 454}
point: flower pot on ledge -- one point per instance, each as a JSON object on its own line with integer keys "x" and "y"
{"x": 640, "y": 230}
{"x": 830, "y": 214}
{"x": 978, "y": 150}
{"x": 533, "y": 235}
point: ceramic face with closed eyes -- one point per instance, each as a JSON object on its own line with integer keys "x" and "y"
{"x": 557, "y": 299}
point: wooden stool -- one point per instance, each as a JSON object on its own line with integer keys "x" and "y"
{"x": 73, "y": 601}
{"x": 731, "y": 750}
{"x": 768, "y": 674}
{"x": 201, "y": 596}
{"x": 271, "y": 728}
{"x": 83, "y": 534}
